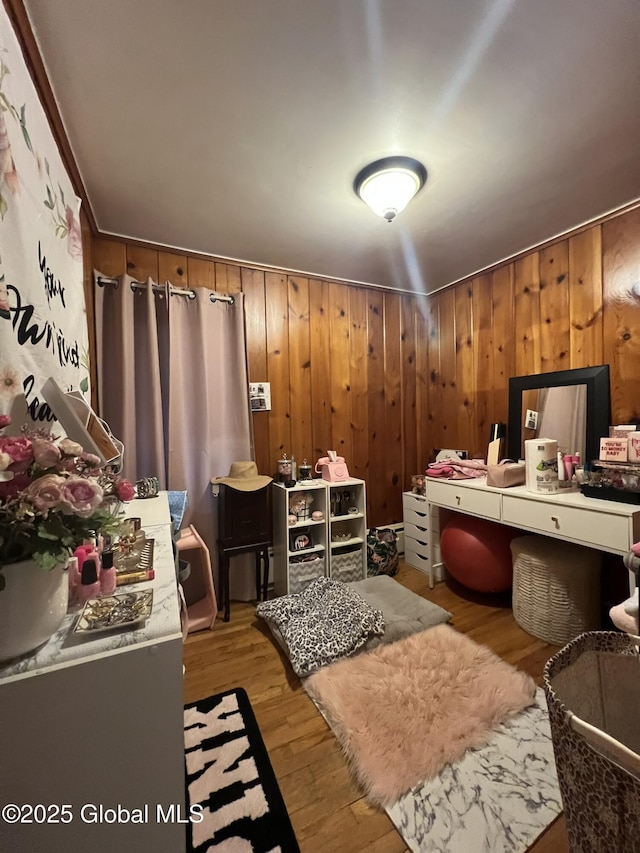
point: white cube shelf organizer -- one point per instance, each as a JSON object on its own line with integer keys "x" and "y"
{"x": 348, "y": 530}
{"x": 308, "y": 548}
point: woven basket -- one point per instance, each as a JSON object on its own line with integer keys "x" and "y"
{"x": 556, "y": 588}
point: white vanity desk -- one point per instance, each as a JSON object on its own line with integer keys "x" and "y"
{"x": 100, "y": 721}
{"x": 569, "y": 515}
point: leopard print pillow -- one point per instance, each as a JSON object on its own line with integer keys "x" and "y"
{"x": 326, "y": 621}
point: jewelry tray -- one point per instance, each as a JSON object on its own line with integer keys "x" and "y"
{"x": 122, "y": 610}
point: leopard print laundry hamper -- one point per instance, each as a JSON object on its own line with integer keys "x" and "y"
{"x": 601, "y": 800}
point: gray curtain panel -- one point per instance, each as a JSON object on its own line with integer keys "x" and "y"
{"x": 173, "y": 386}
{"x": 131, "y": 329}
{"x": 209, "y": 418}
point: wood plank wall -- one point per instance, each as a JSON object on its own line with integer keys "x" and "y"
{"x": 387, "y": 378}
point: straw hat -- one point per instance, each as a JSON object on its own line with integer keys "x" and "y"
{"x": 244, "y": 477}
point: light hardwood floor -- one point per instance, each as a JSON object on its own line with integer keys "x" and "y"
{"x": 327, "y": 810}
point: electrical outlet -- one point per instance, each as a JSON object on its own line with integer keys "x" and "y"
{"x": 531, "y": 419}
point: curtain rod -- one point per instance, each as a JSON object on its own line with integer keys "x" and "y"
{"x": 101, "y": 280}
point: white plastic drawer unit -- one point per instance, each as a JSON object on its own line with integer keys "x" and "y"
{"x": 588, "y": 527}
{"x": 416, "y": 546}
{"x": 418, "y": 561}
{"x": 415, "y": 510}
{"x": 456, "y": 496}
{"x": 418, "y": 534}
{"x": 418, "y": 503}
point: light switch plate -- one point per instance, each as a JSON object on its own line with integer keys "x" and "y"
{"x": 531, "y": 419}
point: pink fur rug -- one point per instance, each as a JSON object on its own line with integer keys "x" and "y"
{"x": 404, "y": 710}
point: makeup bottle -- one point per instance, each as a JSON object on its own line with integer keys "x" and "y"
{"x": 107, "y": 574}
{"x": 89, "y": 584}
{"x": 562, "y": 479}
{"x": 568, "y": 468}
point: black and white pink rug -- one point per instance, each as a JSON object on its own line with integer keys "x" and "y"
{"x": 229, "y": 775}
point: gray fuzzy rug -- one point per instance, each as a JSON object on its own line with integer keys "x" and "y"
{"x": 404, "y": 612}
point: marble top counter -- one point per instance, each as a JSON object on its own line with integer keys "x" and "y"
{"x": 68, "y": 649}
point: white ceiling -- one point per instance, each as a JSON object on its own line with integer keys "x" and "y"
{"x": 236, "y": 127}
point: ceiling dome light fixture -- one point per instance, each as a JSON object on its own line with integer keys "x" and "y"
{"x": 388, "y": 185}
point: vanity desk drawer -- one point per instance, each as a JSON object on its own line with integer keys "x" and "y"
{"x": 465, "y": 499}
{"x": 606, "y": 531}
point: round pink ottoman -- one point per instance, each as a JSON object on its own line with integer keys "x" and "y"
{"x": 477, "y": 552}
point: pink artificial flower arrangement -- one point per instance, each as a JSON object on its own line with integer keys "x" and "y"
{"x": 53, "y": 496}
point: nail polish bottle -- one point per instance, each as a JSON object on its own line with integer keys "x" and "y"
{"x": 89, "y": 584}
{"x": 107, "y": 574}
{"x": 93, "y": 555}
{"x": 80, "y": 554}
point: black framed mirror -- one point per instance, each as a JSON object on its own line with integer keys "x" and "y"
{"x": 593, "y": 401}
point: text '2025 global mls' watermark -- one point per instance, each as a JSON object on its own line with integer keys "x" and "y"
{"x": 52, "y": 813}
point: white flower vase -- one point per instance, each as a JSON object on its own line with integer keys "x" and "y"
{"x": 33, "y": 605}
